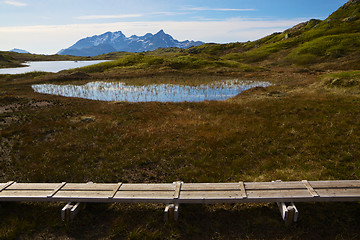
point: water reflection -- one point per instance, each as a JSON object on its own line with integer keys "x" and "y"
{"x": 118, "y": 91}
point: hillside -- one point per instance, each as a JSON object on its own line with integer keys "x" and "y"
{"x": 333, "y": 42}
{"x": 14, "y": 59}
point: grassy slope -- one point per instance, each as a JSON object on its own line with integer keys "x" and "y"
{"x": 304, "y": 127}
{"x": 308, "y": 43}
{"x": 330, "y": 44}
{"x": 7, "y": 61}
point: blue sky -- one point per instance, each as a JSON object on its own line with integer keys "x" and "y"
{"x": 46, "y": 26}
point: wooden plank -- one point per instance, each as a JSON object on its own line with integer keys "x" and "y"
{"x": 273, "y": 185}
{"x": 56, "y": 189}
{"x": 89, "y": 187}
{"x": 338, "y": 193}
{"x": 310, "y": 188}
{"x": 81, "y": 194}
{"x": 209, "y": 186}
{"x": 144, "y": 194}
{"x": 23, "y": 194}
{"x": 116, "y": 189}
{"x": 8, "y": 184}
{"x": 177, "y": 190}
{"x": 242, "y": 190}
{"x": 335, "y": 184}
{"x": 148, "y": 187}
{"x": 34, "y": 186}
{"x": 283, "y": 193}
{"x": 211, "y": 195}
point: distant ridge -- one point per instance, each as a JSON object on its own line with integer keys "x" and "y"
{"x": 18, "y": 50}
{"x": 118, "y": 42}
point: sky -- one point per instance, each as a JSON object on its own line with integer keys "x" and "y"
{"x": 47, "y": 26}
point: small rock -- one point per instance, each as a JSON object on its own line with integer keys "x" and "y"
{"x": 350, "y": 19}
{"x": 276, "y": 94}
{"x": 87, "y": 118}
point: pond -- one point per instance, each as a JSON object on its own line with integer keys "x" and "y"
{"x": 119, "y": 91}
{"x": 48, "y": 66}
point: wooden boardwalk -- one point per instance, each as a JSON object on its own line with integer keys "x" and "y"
{"x": 183, "y": 193}
{"x": 179, "y": 192}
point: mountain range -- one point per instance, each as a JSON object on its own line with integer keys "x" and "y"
{"x": 118, "y": 42}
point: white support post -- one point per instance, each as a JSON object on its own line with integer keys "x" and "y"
{"x": 283, "y": 210}
{"x": 65, "y": 212}
{"x": 176, "y": 212}
{"x": 296, "y": 212}
{"x": 288, "y": 213}
{"x": 70, "y": 210}
{"x": 168, "y": 212}
{"x": 171, "y": 212}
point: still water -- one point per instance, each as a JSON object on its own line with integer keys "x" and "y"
{"x": 118, "y": 91}
{"x": 48, "y": 66}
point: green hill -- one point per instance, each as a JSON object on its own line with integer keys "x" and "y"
{"x": 312, "y": 42}
{"x": 7, "y": 61}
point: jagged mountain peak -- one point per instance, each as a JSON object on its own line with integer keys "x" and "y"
{"x": 161, "y": 32}
{"x": 117, "y": 41}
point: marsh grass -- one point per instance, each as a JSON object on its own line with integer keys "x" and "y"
{"x": 210, "y": 141}
{"x": 260, "y": 136}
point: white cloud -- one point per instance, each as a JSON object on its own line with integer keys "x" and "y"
{"x": 97, "y": 17}
{"x": 50, "y": 39}
{"x": 219, "y": 9}
{"x": 168, "y": 13}
{"x": 15, "y": 3}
